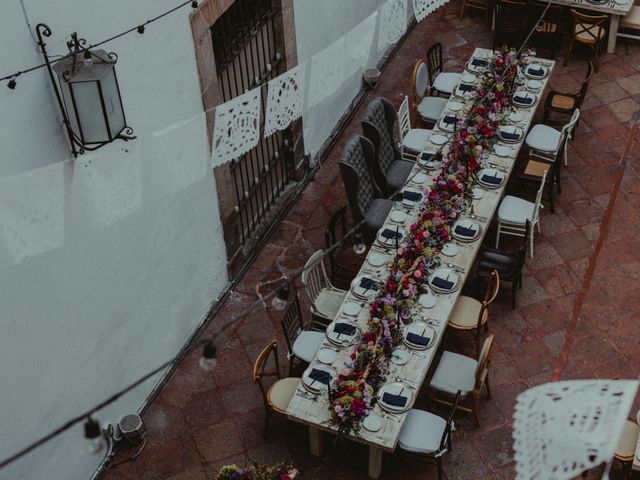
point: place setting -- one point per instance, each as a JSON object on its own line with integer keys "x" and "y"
{"x": 411, "y": 197}
{"x": 317, "y": 378}
{"x": 419, "y": 336}
{"x": 465, "y": 90}
{"x": 365, "y": 288}
{"x": 449, "y": 122}
{"x": 466, "y": 230}
{"x": 395, "y": 397}
{"x": 510, "y": 133}
{"x": 418, "y": 178}
{"x": 491, "y": 177}
{"x": 524, "y": 99}
{"x": 398, "y": 217}
{"x": 391, "y": 236}
{"x": 438, "y": 138}
{"x": 429, "y": 159}
{"x": 477, "y": 65}
{"x": 536, "y": 71}
{"x": 444, "y": 281}
{"x": 342, "y": 333}
{"x": 504, "y": 151}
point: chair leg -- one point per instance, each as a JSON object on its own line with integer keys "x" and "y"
{"x": 486, "y": 382}
{"x": 597, "y": 52}
{"x": 514, "y": 288}
{"x": 552, "y": 207}
{"x": 498, "y": 235}
{"x": 439, "y": 468}
{"x": 568, "y": 56}
{"x": 267, "y": 418}
{"x": 531, "y": 245}
{"x": 462, "y": 10}
{"x": 476, "y": 415}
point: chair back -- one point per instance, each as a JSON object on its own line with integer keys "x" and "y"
{"x": 378, "y": 123}
{"x": 589, "y": 27}
{"x": 355, "y": 166}
{"x": 434, "y": 62}
{"x": 521, "y": 253}
{"x": 292, "y": 323}
{"x": 549, "y": 30}
{"x": 445, "y": 440}
{"x": 512, "y": 23}
{"x": 419, "y": 81}
{"x": 314, "y": 276}
{"x": 567, "y": 130}
{"x": 483, "y": 363}
{"x": 490, "y": 293}
{"x": 536, "y": 205}
{"x": 404, "y": 122}
{"x": 585, "y": 86}
{"x": 260, "y": 368}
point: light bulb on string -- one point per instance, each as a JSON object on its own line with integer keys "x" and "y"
{"x": 140, "y": 29}
{"x": 88, "y": 61}
{"x": 359, "y": 247}
{"x": 208, "y": 358}
{"x": 279, "y": 301}
{"x": 12, "y": 83}
{"x": 93, "y": 434}
{"x": 194, "y": 6}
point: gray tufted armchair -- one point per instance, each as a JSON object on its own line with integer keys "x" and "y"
{"x": 364, "y": 195}
{"x": 390, "y": 171}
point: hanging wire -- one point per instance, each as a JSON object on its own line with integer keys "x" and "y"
{"x": 211, "y": 339}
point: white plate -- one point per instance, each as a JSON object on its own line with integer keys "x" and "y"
{"x": 392, "y": 242}
{"x": 438, "y": 139}
{"x": 468, "y": 78}
{"x": 477, "y": 193}
{"x": 352, "y": 308}
{"x": 373, "y": 422}
{"x": 510, "y": 129}
{"x": 466, "y": 223}
{"x": 455, "y": 106}
{"x": 313, "y": 385}
{"x": 419, "y": 178}
{"x": 492, "y": 172}
{"x": 341, "y": 339}
{"x": 516, "y": 117}
{"x": 400, "y": 357}
{"x": 524, "y": 93}
{"x": 361, "y": 292}
{"x": 326, "y": 355}
{"x": 624, "y": 2}
{"x": 397, "y": 216}
{"x": 534, "y": 84}
{"x": 422, "y": 329}
{"x": 450, "y": 249}
{"x": 445, "y": 274}
{"x": 502, "y": 151}
{"x": 395, "y": 389}
{"x": 427, "y": 300}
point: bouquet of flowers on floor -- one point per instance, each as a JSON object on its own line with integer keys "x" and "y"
{"x": 256, "y": 471}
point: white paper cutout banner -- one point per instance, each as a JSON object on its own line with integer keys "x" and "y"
{"x": 327, "y": 72}
{"x": 32, "y": 211}
{"x": 237, "y": 127}
{"x": 561, "y": 429}
{"x": 285, "y": 99}
{"x": 393, "y": 23}
{"x": 359, "y": 42}
{"x": 422, "y": 8}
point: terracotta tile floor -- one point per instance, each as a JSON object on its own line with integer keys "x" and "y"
{"x": 576, "y": 317}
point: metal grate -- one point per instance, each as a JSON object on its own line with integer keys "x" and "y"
{"x": 244, "y": 45}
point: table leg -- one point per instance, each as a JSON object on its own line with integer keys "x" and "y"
{"x": 613, "y": 33}
{"x": 375, "y": 462}
{"x": 315, "y": 441}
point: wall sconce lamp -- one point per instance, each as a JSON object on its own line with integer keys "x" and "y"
{"x": 88, "y": 94}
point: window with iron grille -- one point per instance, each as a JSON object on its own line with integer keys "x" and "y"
{"x": 245, "y": 46}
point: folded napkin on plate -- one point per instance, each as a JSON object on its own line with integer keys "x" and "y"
{"x": 391, "y": 234}
{"x": 509, "y": 135}
{"x": 442, "y": 283}
{"x": 418, "y": 339}
{"x": 536, "y": 72}
{"x": 369, "y": 284}
{"x": 478, "y": 62}
{"x": 320, "y": 376}
{"x": 344, "y": 329}
{"x": 523, "y": 100}
{"x": 492, "y": 179}
{"x": 395, "y": 400}
{"x": 464, "y": 231}
{"x": 412, "y": 196}
{"x": 464, "y": 87}
{"x": 449, "y": 119}
{"x": 427, "y": 156}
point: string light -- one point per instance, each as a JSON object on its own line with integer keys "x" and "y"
{"x": 359, "y": 247}
{"x": 140, "y": 29}
{"x": 87, "y": 58}
{"x": 194, "y": 6}
{"x": 93, "y": 434}
{"x": 208, "y": 359}
{"x": 12, "y": 83}
{"x": 279, "y": 301}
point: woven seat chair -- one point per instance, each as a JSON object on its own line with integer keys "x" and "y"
{"x": 390, "y": 170}
{"x": 567, "y": 103}
{"x": 367, "y": 206}
{"x": 587, "y": 30}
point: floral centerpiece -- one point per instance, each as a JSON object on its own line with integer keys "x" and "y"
{"x": 279, "y": 471}
{"x": 354, "y": 393}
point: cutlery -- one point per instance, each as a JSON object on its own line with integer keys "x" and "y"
{"x": 456, "y": 268}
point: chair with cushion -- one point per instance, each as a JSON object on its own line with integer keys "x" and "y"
{"x": 368, "y": 209}
{"x": 324, "y": 297}
{"x": 440, "y": 81}
{"x": 412, "y": 140}
{"x": 512, "y": 23}
{"x": 514, "y": 212}
{"x": 587, "y": 30}
{"x": 626, "y": 449}
{"x": 276, "y": 397}
{"x": 428, "y": 108}
{"x": 301, "y": 342}
{"x": 428, "y": 435}
{"x": 472, "y": 315}
{"x": 457, "y": 373}
{"x": 567, "y": 103}
{"x": 334, "y": 234}
{"x": 630, "y": 25}
{"x": 548, "y": 32}
{"x": 390, "y": 170}
{"x": 509, "y": 265}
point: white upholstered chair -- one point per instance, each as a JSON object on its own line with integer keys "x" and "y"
{"x": 325, "y": 298}
{"x": 429, "y": 108}
{"x": 412, "y": 140}
{"x": 545, "y": 141}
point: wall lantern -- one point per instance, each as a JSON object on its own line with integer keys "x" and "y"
{"x": 88, "y": 94}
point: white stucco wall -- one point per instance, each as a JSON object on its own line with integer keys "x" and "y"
{"x": 110, "y": 261}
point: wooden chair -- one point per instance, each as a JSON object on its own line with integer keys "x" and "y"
{"x": 439, "y": 80}
{"x": 276, "y": 397}
{"x": 512, "y": 23}
{"x": 412, "y": 140}
{"x": 587, "y": 30}
{"x": 484, "y": 5}
{"x": 567, "y": 103}
{"x": 549, "y": 31}
{"x": 341, "y": 276}
{"x": 428, "y": 108}
{"x": 626, "y": 449}
{"x": 427, "y": 435}
{"x": 302, "y": 343}
{"x": 472, "y": 315}
{"x": 456, "y": 372}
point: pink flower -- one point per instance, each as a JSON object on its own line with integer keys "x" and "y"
{"x": 417, "y": 273}
{"x": 338, "y": 409}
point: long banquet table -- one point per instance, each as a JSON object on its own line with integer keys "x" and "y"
{"x": 314, "y": 412}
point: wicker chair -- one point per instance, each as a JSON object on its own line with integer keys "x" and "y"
{"x": 587, "y": 30}
{"x": 567, "y": 103}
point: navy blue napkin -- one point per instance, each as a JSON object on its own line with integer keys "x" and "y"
{"x": 427, "y": 156}
{"x": 320, "y": 376}
{"x": 539, "y": 72}
{"x": 395, "y": 400}
{"x": 391, "y": 234}
{"x": 418, "y": 339}
{"x": 442, "y": 283}
{"x": 412, "y": 196}
{"x": 464, "y": 87}
{"x": 464, "y": 231}
{"x": 492, "y": 179}
{"x": 523, "y": 100}
{"x": 478, "y": 62}
{"x": 368, "y": 283}
{"x": 344, "y": 329}
{"x": 509, "y": 135}
{"x": 449, "y": 119}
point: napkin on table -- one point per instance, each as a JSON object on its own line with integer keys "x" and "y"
{"x": 395, "y": 400}
{"x": 344, "y": 329}
{"x": 442, "y": 283}
{"x": 523, "y": 100}
{"x": 418, "y": 339}
{"x": 492, "y": 179}
{"x": 509, "y": 135}
{"x": 412, "y": 196}
{"x": 391, "y": 234}
{"x": 464, "y": 231}
{"x": 368, "y": 283}
{"x": 320, "y": 376}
